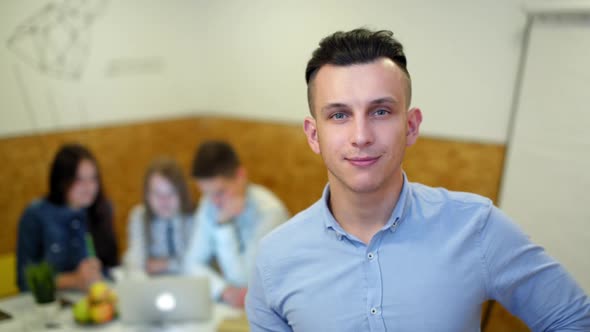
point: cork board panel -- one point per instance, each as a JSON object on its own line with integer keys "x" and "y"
{"x": 276, "y": 155}
{"x": 456, "y": 165}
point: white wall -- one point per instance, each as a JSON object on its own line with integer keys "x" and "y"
{"x": 546, "y": 180}
{"x": 247, "y": 58}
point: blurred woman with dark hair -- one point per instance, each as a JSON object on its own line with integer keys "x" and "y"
{"x": 159, "y": 228}
{"x": 71, "y": 228}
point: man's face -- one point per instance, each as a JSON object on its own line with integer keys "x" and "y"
{"x": 221, "y": 189}
{"x": 361, "y": 126}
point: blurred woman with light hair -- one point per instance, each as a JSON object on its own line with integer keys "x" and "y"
{"x": 158, "y": 228}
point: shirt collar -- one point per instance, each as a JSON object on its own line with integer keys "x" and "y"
{"x": 397, "y": 215}
{"x": 402, "y": 206}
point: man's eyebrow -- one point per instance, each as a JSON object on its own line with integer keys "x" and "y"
{"x": 333, "y": 106}
{"x": 384, "y": 100}
{"x": 378, "y": 101}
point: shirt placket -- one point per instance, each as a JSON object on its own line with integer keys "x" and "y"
{"x": 374, "y": 285}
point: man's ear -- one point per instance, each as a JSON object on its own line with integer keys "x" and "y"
{"x": 414, "y": 121}
{"x": 311, "y": 131}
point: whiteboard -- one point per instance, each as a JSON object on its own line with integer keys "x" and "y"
{"x": 546, "y": 184}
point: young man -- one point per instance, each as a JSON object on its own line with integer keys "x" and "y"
{"x": 232, "y": 217}
{"x": 380, "y": 253}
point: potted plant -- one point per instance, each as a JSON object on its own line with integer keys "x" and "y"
{"x": 41, "y": 281}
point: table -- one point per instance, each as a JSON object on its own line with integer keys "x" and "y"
{"x": 22, "y": 308}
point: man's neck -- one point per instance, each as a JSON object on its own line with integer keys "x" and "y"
{"x": 364, "y": 214}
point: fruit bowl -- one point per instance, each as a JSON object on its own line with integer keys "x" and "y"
{"x": 99, "y": 306}
{"x": 91, "y": 323}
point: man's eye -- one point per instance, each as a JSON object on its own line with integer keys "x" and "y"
{"x": 381, "y": 112}
{"x": 338, "y": 116}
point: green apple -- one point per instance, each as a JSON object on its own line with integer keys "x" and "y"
{"x": 82, "y": 311}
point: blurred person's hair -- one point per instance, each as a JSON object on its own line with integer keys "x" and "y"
{"x": 215, "y": 158}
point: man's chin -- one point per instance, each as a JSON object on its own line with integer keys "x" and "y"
{"x": 364, "y": 187}
{"x": 361, "y": 184}
{"x": 366, "y": 190}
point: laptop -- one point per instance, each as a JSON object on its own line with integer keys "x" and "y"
{"x": 164, "y": 299}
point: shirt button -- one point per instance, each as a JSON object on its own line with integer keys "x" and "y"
{"x": 370, "y": 256}
{"x": 373, "y": 311}
{"x": 75, "y": 224}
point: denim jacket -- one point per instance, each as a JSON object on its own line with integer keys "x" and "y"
{"x": 52, "y": 233}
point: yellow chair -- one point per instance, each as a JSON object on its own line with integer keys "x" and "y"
{"x": 8, "y": 275}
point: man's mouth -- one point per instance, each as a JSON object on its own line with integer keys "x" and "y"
{"x": 362, "y": 161}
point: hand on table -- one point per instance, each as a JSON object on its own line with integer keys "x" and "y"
{"x": 88, "y": 272}
{"x": 156, "y": 265}
{"x": 234, "y": 296}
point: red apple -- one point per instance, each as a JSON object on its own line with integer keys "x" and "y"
{"x": 101, "y": 313}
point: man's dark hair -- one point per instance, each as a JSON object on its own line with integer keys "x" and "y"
{"x": 357, "y": 46}
{"x": 214, "y": 158}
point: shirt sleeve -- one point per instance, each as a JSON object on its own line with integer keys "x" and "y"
{"x": 261, "y": 317}
{"x": 136, "y": 254}
{"x": 29, "y": 245}
{"x": 200, "y": 250}
{"x": 528, "y": 282}
{"x": 200, "y": 247}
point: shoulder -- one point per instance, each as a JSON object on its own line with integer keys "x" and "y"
{"x": 37, "y": 209}
{"x": 205, "y": 206}
{"x": 459, "y": 211}
{"x": 37, "y": 213}
{"x": 137, "y": 211}
{"x": 137, "y": 215}
{"x": 426, "y": 195}
{"x": 284, "y": 240}
{"x": 31, "y": 213}
{"x": 37, "y": 205}
{"x": 264, "y": 198}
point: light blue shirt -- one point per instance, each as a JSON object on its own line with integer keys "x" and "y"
{"x": 430, "y": 268}
{"x": 233, "y": 244}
